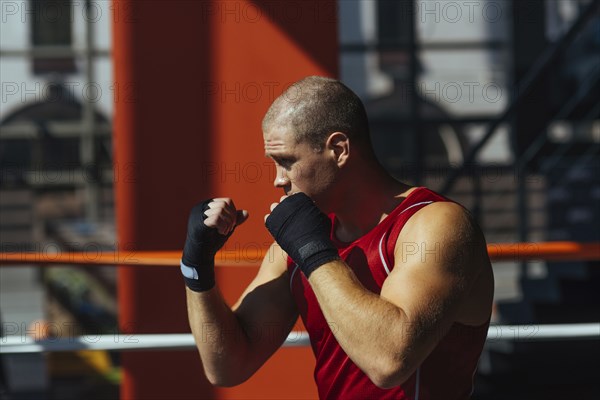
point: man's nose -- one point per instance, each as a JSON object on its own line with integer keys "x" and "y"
{"x": 281, "y": 179}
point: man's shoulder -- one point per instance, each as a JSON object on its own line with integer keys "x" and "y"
{"x": 439, "y": 220}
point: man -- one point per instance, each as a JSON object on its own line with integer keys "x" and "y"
{"x": 393, "y": 282}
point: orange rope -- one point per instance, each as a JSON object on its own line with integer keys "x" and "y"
{"x": 549, "y": 251}
{"x": 125, "y": 257}
{"x": 128, "y": 258}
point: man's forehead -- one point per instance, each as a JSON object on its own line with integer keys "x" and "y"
{"x": 275, "y": 146}
{"x": 277, "y": 139}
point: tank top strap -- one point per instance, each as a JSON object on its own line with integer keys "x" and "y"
{"x": 419, "y": 198}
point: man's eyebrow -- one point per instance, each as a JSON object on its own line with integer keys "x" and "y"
{"x": 269, "y": 154}
{"x": 279, "y": 158}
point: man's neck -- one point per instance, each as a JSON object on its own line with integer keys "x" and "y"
{"x": 369, "y": 199}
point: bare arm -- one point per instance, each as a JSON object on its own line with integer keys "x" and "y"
{"x": 390, "y": 334}
{"x": 235, "y": 342}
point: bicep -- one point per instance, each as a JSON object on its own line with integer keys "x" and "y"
{"x": 431, "y": 276}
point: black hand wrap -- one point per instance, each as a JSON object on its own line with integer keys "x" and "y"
{"x": 201, "y": 245}
{"x": 302, "y": 230}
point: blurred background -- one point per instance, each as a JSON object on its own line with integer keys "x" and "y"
{"x": 493, "y": 103}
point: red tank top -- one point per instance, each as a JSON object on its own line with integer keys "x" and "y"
{"x": 447, "y": 373}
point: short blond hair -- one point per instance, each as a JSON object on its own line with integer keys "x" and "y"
{"x": 315, "y": 107}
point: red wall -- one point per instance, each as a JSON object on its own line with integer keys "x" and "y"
{"x": 194, "y": 80}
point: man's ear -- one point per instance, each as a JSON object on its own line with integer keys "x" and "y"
{"x": 338, "y": 144}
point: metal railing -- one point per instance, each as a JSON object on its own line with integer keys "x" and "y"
{"x": 543, "y": 63}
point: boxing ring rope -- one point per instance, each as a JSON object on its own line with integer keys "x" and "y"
{"x": 11, "y": 344}
{"x": 26, "y": 344}
{"x": 547, "y": 251}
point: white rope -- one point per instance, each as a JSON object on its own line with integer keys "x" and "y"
{"x": 530, "y": 333}
{"x": 25, "y": 344}
{"x": 184, "y": 341}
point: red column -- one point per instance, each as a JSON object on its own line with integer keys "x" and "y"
{"x": 193, "y": 81}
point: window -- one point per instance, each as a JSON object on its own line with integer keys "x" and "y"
{"x": 51, "y": 27}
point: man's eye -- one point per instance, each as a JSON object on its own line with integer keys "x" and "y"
{"x": 285, "y": 163}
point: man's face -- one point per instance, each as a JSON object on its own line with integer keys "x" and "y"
{"x": 299, "y": 167}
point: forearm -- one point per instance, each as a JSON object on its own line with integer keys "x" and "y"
{"x": 367, "y": 327}
{"x": 220, "y": 337}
